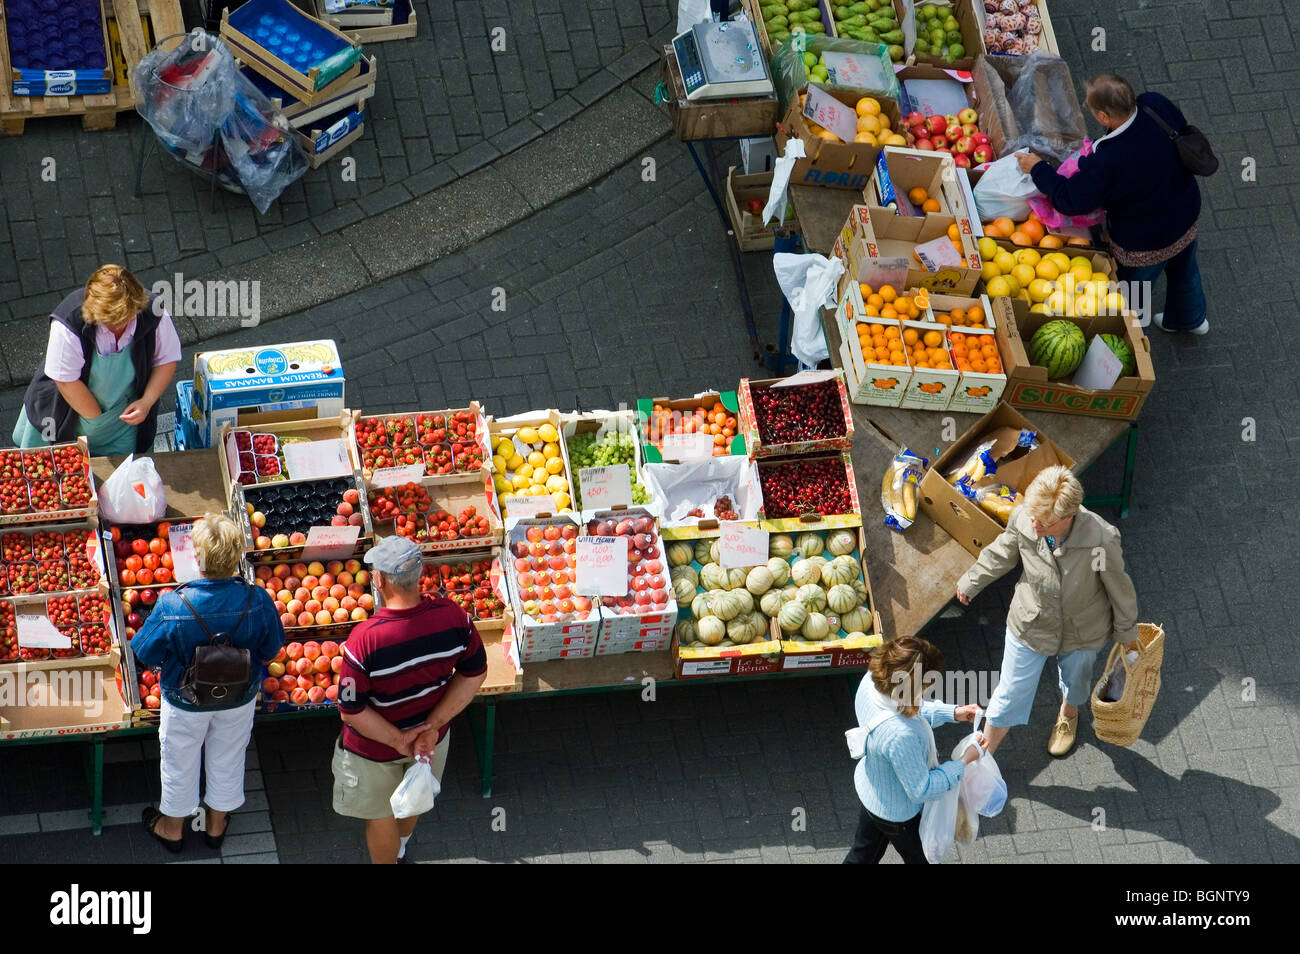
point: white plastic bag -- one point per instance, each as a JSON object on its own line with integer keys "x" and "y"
{"x": 691, "y": 12}
{"x": 808, "y": 283}
{"x": 1112, "y": 689}
{"x": 777, "y": 193}
{"x": 418, "y": 789}
{"x": 133, "y": 493}
{"x": 1004, "y": 191}
{"x": 939, "y": 826}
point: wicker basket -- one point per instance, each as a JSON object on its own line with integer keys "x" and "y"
{"x": 1121, "y": 722}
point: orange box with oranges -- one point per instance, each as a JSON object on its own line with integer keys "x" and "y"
{"x": 958, "y": 311}
{"x": 888, "y": 240}
{"x": 934, "y": 378}
{"x": 875, "y": 362}
{"x": 978, "y": 359}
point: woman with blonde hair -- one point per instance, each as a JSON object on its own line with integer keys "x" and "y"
{"x": 221, "y": 602}
{"x": 1073, "y": 597}
{"x": 111, "y": 354}
{"x": 899, "y": 770}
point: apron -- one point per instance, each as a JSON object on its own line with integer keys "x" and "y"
{"x": 112, "y": 381}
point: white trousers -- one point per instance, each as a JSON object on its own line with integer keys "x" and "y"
{"x": 222, "y": 739}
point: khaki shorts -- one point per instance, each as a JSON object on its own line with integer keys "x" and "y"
{"x": 363, "y": 787}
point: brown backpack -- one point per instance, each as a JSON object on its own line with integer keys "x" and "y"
{"x": 219, "y": 674}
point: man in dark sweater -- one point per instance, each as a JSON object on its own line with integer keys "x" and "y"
{"x": 1151, "y": 201}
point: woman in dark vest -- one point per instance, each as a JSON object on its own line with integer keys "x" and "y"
{"x": 111, "y": 355}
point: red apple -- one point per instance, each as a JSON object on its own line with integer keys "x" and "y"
{"x": 914, "y": 118}
{"x": 981, "y": 154}
{"x": 968, "y": 115}
{"x": 924, "y": 144}
{"x": 964, "y": 145}
{"x": 962, "y": 160}
{"x": 936, "y": 125}
{"x": 940, "y": 143}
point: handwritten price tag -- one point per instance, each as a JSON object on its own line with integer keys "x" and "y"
{"x": 687, "y": 446}
{"x": 330, "y": 543}
{"x": 742, "y": 546}
{"x": 806, "y": 377}
{"x": 604, "y": 487}
{"x": 530, "y": 506}
{"x": 185, "y": 566}
{"x": 37, "y": 632}
{"x": 602, "y": 566}
{"x": 395, "y": 476}
{"x": 316, "y": 460}
{"x": 827, "y": 111}
{"x": 854, "y": 70}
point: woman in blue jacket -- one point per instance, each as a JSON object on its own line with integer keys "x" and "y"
{"x": 900, "y": 771}
{"x": 1151, "y": 201}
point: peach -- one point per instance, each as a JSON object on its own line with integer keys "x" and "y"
{"x": 281, "y": 656}
{"x": 332, "y": 693}
{"x": 281, "y": 609}
{"x": 310, "y": 581}
{"x": 305, "y": 618}
{"x": 280, "y": 571}
{"x": 293, "y": 606}
{"x": 352, "y": 566}
{"x": 327, "y": 579}
{"x": 366, "y": 602}
{"x": 305, "y": 682}
{"x": 329, "y": 648}
{"x": 311, "y": 649}
{"x": 283, "y": 596}
{"x": 280, "y": 541}
{"x": 324, "y": 618}
{"x": 344, "y": 579}
{"x": 315, "y": 568}
{"x": 280, "y": 696}
{"x": 291, "y": 583}
{"x": 275, "y": 668}
{"x": 302, "y": 594}
{"x": 362, "y": 577}
{"x": 323, "y": 679}
{"x": 288, "y": 683}
{"x": 359, "y": 614}
{"x": 293, "y": 650}
{"x": 262, "y": 543}
{"x": 320, "y": 593}
{"x": 321, "y": 664}
{"x": 263, "y": 572}
{"x": 298, "y": 697}
{"x": 316, "y": 694}
{"x": 329, "y": 603}
{"x": 334, "y": 566}
{"x": 301, "y": 666}
{"x": 297, "y": 538}
{"x": 338, "y": 591}
{"x": 348, "y": 603}
{"x": 299, "y": 570}
{"x": 312, "y": 606}
{"x": 270, "y": 685}
{"x": 340, "y": 616}
{"x": 336, "y": 664}
{"x": 356, "y": 590}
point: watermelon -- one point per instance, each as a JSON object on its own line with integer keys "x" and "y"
{"x": 1057, "y": 346}
{"x": 1122, "y": 351}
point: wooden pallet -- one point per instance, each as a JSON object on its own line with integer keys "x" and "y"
{"x": 96, "y": 112}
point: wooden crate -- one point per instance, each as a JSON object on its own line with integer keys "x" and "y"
{"x": 403, "y": 27}
{"x": 749, "y": 117}
{"x": 96, "y": 112}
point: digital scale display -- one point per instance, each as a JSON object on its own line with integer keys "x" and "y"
{"x": 721, "y": 60}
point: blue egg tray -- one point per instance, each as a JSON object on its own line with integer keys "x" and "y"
{"x": 297, "y": 52}
{"x": 57, "y": 48}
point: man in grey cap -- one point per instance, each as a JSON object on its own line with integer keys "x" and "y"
{"x": 407, "y": 671}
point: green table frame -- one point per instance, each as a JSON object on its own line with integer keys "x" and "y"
{"x": 1121, "y": 499}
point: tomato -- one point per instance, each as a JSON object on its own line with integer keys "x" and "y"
{"x": 162, "y": 531}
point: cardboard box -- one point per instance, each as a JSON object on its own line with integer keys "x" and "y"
{"x": 857, "y": 68}
{"x": 886, "y": 244}
{"x": 977, "y": 391}
{"x": 471, "y": 478}
{"x": 312, "y": 429}
{"x": 505, "y": 668}
{"x": 64, "y": 701}
{"x": 601, "y": 423}
{"x": 1046, "y": 39}
{"x": 815, "y": 521}
{"x": 757, "y": 154}
{"x": 750, "y": 424}
{"x": 899, "y": 170}
{"x": 1028, "y": 386}
{"x": 964, "y": 519}
{"x": 33, "y": 80}
{"x": 748, "y": 660}
{"x": 994, "y": 76}
{"x": 930, "y": 389}
{"x": 243, "y": 32}
{"x": 453, "y": 498}
{"x": 697, "y": 485}
{"x": 753, "y": 11}
{"x": 335, "y": 13}
{"x": 63, "y": 514}
{"x": 533, "y": 632}
{"x": 495, "y": 582}
{"x": 232, "y": 387}
{"x": 838, "y": 165}
{"x": 932, "y": 90}
{"x": 971, "y": 35}
{"x": 751, "y": 234}
{"x": 881, "y": 385}
{"x": 651, "y": 440}
{"x": 510, "y": 427}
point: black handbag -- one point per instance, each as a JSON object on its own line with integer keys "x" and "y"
{"x": 1192, "y": 146}
{"x": 219, "y": 673}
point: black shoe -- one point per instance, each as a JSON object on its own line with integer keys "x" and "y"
{"x": 214, "y": 841}
{"x": 403, "y": 860}
{"x": 150, "y": 818}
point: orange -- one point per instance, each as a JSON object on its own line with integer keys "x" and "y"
{"x": 1020, "y": 238}
{"x": 975, "y": 315}
{"x": 943, "y": 319}
{"x": 1034, "y": 229}
{"x": 958, "y": 337}
{"x": 958, "y": 316}
{"x": 1050, "y": 241}
{"x": 954, "y": 233}
{"x": 875, "y": 300}
{"x": 877, "y": 329}
{"x": 1004, "y": 226}
{"x": 878, "y": 341}
{"x": 978, "y": 365}
{"x": 887, "y": 293}
{"x": 912, "y": 310}
{"x": 1075, "y": 240}
{"x": 882, "y": 354}
{"x": 910, "y": 336}
{"x": 920, "y": 364}
{"x": 891, "y": 332}
{"x": 931, "y": 205}
{"x": 989, "y": 351}
{"x": 888, "y": 312}
{"x": 872, "y": 311}
{"x": 917, "y": 196}
{"x": 933, "y": 339}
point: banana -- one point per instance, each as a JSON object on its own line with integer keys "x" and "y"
{"x": 977, "y": 472}
{"x": 909, "y": 500}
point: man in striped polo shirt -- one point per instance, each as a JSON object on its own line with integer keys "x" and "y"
{"x": 407, "y": 671}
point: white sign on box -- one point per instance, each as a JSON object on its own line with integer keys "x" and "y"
{"x": 184, "y": 565}
{"x": 330, "y": 543}
{"x": 395, "y": 476}
{"x": 605, "y": 487}
{"x": 531, "y": 506}
{"x": 1100, "y": 368}
{"x": 854, "y": 70}
{"x": 741, "y": 546}
{"x": 317, "y": 460}
{"x": 938, "y": 254}
{"x": 802, "y": 378}
{"x": 37, "y": 632}
{"x": 687, "y": 446}
{"x": 602, "y": 566}
{"x": 828, "y": 112}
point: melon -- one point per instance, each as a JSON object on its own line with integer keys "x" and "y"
{"x": 813, "y": 597}
{"x": 686, "y": 572}
{"x": 810, "y": 544}
{"x": 683, "y": 591}
{"x": 680, "y": 554}
{"x": 1122, "y": 351}
{"x": 1059, "y": 347}
{"x": 815, "y": 627}
{"x": 792, "y": 617}
{"x": 686, "y": 632}
{"x": 702, "y": 552}
{"x": 711, "y": 630}
{"x": 841, "y": 542}
{"x": 805, "y": 572}
{"x": 759, "y": 580}
{"x": 779, "y": 545}
{"x": 857, "y": 619}
{"x": 772, "y": 602}
{"x": 780, "y": 571}
{"x": 841, "y": 598}
{"x": 700, "y": 606}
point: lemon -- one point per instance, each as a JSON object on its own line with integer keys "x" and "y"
{"x": 519, "y": 481}
{"x": 502, "y": 484}
{"x": 556, "y": 484}
{"x": 989, "y": 272}
{"x": 1101, "y": 277}
{"x": 1013, "y": 283}
{"x": 536, "y": 459}
{"x": 999, "y": 287}
{"x": 1037, "y": 308}
{"x": 1023, "y": 274}
{"x": 868, "y": 123}
{"x": 1047, "y": 270}
{"x": 866, "y": 137}
{"x": 528, "y": 435}
{"x": 1005, "y": 261}
{"x": 988, "y": 248}
{"x": 524, "y": 470}
{"x": 505, "y": 447}
{"x": 1039, "y": 290}
{"x": 1027, "y": 256}
{"x": 551, "y": 450}
{"x": 498, "y": 463}
{"x": 894, "y": 139}
{"x": 539, "y": 478}
{"x": 515, "y": 462}
{"x": 1056, "y": 303}
{"x": 1061, "y": 259}
{"x": 867, "y": 107}
{"x": 1081, "y": 273}
{"x": 554, "y": 465}
{"x": 1081, "y": 260}
{"x": 1085, "y": 305}
{"x": 547, "y": 433}
{"x": 561, "y": 500}
{"x": 1114, "y": 304}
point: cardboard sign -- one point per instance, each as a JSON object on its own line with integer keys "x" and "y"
{"x": 687, "y": 446}
{"x": 938, "y": 254}
{"x": 1100, "y": 368}
{"x": 602, "y": 566}
{"x": 741, "y": 546}
{"x": 854, "y": 70}
{"x": 330, "y": 543}
{"x": 605, "y": 487}
{"x": 316, "y": 460}
{"x": 803, "y": 378}
{"x": 530, "y": 506}
{"x": 185, "y": 566}
{"x": 37, "y": 632}
{"x": 395, "y": 476}
{"x": 828, "y": 112}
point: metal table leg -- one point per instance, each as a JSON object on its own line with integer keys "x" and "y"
{"x": 483, "y": 728}
{"x": 1121, "y": 499}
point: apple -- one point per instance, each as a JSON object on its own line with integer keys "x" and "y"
{"x": 297, "y": 538}
{"x": 914, "y": 118}
{"x": 925, "y": 144}
{"x": 936, "y": 125}
{"x": 962, "y": 160}
{"x": 262, "y": 543}
{"x": 969, "y": 129}
{"x": 941, "y": 144}
{"x": 963, "y": 145}
{"x": 258, "y": 519}
{"x": 952, "y": 120}
{"x": 981, "y": 154}
{"x": 968, "y": 115}
{"x": 981, "y": 137}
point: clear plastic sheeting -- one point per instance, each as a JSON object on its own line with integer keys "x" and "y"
{"x": 858, "y": 68}
{"x": 209, "y": 116}
{"x": 1044, "y": 108}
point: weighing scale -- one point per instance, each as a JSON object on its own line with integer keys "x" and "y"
{"x": 722, "y": 60}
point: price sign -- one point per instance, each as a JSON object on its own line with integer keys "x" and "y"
{"x": 330, "y": 543}
{"x": 37, "y": 632}
{"x": 605, "y": 487}
{"x": 807, "y": 377}
{"x": 602, "y": 566}
{"x": 530, "y": 506}
{"x": 185, "y": 566}
{"x": 938, "y": 254}
{"x": 828, "y": 112}
{"x": 687, "y": 446}
{"x": 741, "y": 546}
{"x": 316, "y": 460}
{"x": 854, "y": 70}
{"x": 395, "y": 476}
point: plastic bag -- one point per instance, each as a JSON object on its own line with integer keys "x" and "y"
{"x": 790, "y": 72}
{"x": 1004, "y": 191}
{"x": 809, "y": 283}
{"x": 982, "y": 787}
{"x": 133, "y": 493}
{"x": 899, "y": 488}
{"x": 416, "y": 792}
{"x": 1048, "y": 215}
{"x": 691, "y": 12}
{"x": 978, "y": 465}
{"x": 996, "y": 499}
{"x": 777, "y": 193}
{"x": 1112, "y": 690}
{"x": 1044, "y": 109}
{"x": 939, "y": 825}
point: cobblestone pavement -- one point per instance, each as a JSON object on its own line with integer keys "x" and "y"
{"x": 719, "y": 773}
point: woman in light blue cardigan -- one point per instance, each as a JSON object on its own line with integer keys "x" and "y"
{"x": 900, "y": 770}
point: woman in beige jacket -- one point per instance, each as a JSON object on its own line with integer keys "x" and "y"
{"x": 1072, "y": 599}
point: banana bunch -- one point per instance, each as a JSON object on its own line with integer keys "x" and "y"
{"x": 977, "y": 466}
{"x": 998, "y": 500}
{"x": 898, "y": 489}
